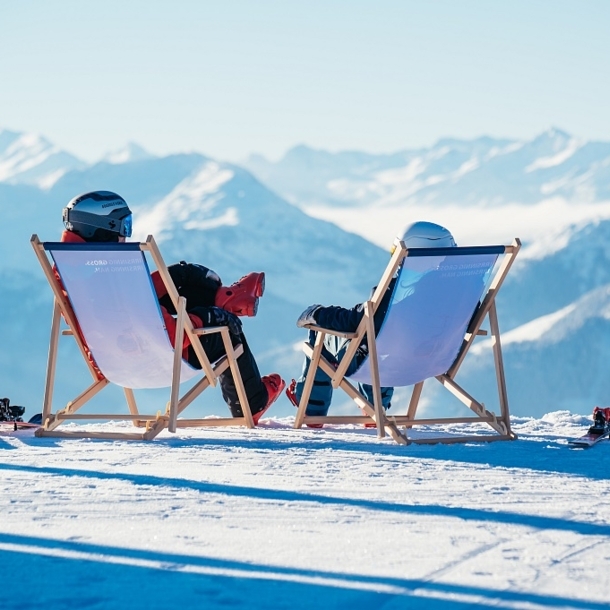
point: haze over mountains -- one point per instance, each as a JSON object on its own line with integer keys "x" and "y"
{"x": 554, "y": 192}
{"x": 509, "y": 187}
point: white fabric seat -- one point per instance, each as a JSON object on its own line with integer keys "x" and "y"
{"x": 113, "y": 298}
{"x": 428, "y": 316}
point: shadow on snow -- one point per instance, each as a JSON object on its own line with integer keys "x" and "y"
{"x": 544, "y": 454}
{"x": 58, "y": 574}
{"x": 277, "y": 495}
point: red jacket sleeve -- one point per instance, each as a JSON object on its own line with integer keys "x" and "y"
{"x": 158, "y": 284}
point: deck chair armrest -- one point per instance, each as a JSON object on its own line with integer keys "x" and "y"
{"x": 480, "y": 333}
{"x": 209, "y": 330}
{"x": 328, "y": 331}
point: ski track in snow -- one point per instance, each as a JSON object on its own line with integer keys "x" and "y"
{"x": 280, "y": 518}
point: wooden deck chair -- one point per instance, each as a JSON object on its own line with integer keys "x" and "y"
{"x": 112, "y": 312}
{"x": 440, "y": 299}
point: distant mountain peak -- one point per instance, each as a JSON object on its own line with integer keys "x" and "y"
{"x": 9, "y": 139}
{"x": 304, "y": 152}
{"x": 555, "y": 134}
{"x": 15, "y": 142}
{"x": 301, "y": 149}
{"x": 29, "y": 158}
{"x": 128, "y": 153}
{"x": 459, "y": 142}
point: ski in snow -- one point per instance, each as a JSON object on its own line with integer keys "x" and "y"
{"x": 598, "y": 431}
{"x": 589, "y": 439}
{"x": 13, "y": 426}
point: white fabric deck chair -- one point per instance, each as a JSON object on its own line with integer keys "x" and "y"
{"x": 440, "y": 300}
{"x": 111, "y": 310}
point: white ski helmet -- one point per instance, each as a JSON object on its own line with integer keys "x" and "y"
{"x": 424, "y": 234}
{"x": 98, "y": 216}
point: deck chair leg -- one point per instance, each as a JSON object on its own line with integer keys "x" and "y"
{"x": 499, "y": 364}
{"x": 311, "y": 373}
{"x": 54, "y": 420}
{"x": 203, "y": 384}
{"x": 178, "y": 343}
{"x": 133, "y": 407}
{"x": 370, "y": 334}
{"x": 51, "y": 362}
{"x": 195, "y": 391}
{"x": 414, "y": 402}
{"x": 154, "y": 429}
{"x": 239, "y": 384}
{"x": 369, "y": 409}
{"x": 85, "y": 396}
{"x": 348, "y": 388}
{"x": 489, "y": 417}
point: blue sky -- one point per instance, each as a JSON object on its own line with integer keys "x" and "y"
{"x": 235, "y": 77}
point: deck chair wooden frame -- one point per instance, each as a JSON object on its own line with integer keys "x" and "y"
{"x": 152, "y": 424}
{"x": 398, "y": 426}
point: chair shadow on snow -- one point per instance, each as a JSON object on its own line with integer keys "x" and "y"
{"x": 285, "y": 496}
{"x": 542, "y": 455}
{"x": 66, "y": 574}
{"x": 550, "y": 454}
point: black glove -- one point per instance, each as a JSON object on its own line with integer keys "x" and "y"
{"x": 215, "y": 316}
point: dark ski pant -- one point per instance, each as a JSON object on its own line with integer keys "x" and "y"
{"x": 322, "y": 392}
{"x": 256, "y": 391}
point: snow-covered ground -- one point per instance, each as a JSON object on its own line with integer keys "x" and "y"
{"x": 283, "y": 518}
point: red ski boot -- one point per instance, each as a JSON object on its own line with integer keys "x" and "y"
{"x": 274, "y": 385}
{"x": 291, "y": 393}
{"x": 241, "y": 297}
{"x": 601, "y": 420}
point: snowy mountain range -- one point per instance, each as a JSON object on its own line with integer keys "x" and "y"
{"x": 483, "y": 171}
{"x": 275, "y": 218}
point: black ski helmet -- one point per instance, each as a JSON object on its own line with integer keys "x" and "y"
{"x": 98, "y": 216}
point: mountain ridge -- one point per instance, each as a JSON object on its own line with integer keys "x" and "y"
{"x": 483, "y": 170}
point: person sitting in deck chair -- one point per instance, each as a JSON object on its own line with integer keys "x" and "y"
{"x": 104, "y": 216}
{"x": 417, "y": 235}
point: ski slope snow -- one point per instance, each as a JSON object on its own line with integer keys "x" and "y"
{"x": 283, "y": 518}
